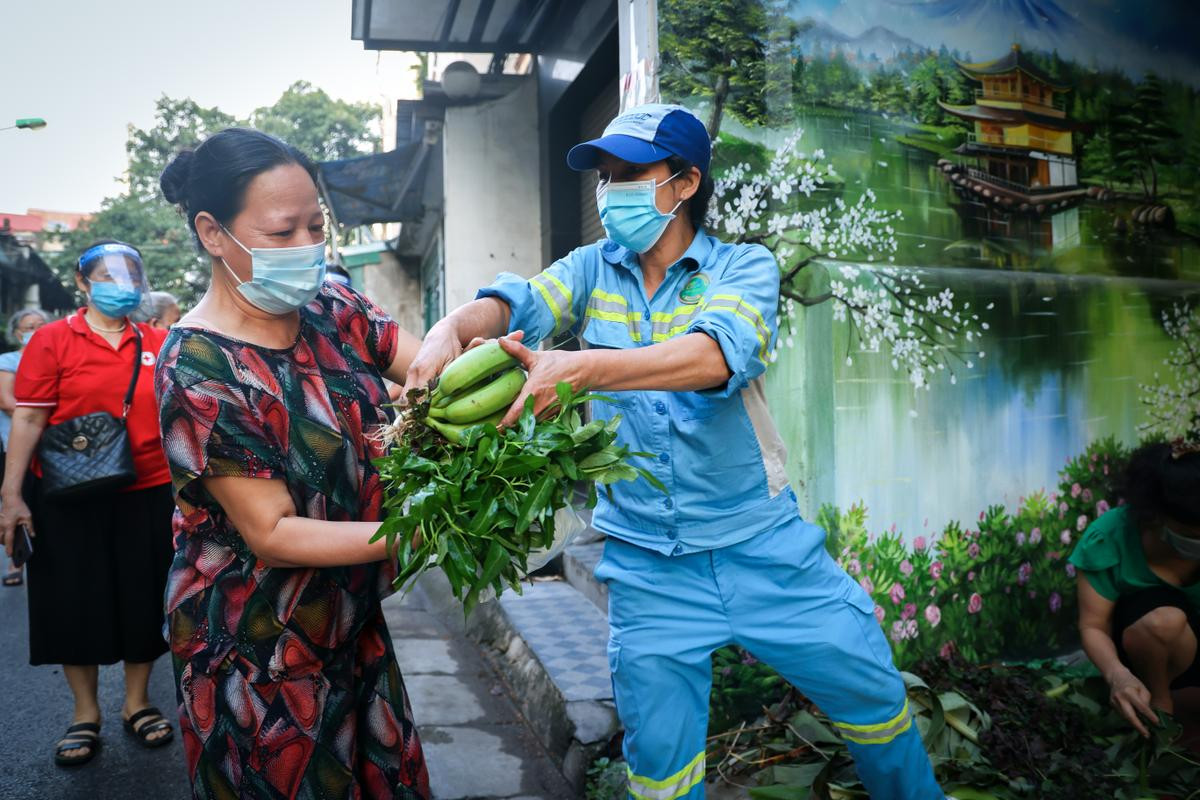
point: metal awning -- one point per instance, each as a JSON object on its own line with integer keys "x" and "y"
{"x": 380, "y": 188}
{"x": 474, "y": 26}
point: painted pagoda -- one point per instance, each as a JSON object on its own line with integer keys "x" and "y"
{"x": 1021, "y": 149}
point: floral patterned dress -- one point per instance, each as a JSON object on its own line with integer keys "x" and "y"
{"x": 287, "y": 681}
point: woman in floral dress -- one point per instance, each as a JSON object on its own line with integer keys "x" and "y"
{"x": 270, "y": 390}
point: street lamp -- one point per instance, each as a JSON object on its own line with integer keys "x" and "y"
{"x": 28, "y": 123}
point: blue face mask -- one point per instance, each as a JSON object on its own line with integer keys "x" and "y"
{"x": 26, "y": 336}
{"x": 114, "y": 301}
{"x": 283, "y": 279}
{"x": 629, "y": 214}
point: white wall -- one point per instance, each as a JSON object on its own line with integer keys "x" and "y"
{"x": 493, "y": 188}
{"x": 395, "y": 291}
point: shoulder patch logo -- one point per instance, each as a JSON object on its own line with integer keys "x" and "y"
{"x": 148, "y": 358}
{"x": 694, "y": 289}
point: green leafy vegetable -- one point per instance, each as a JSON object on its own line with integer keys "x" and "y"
{"x": 477, "y": 507}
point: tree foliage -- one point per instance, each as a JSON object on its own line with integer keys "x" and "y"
{"x": 716, "y": 49}
{"x": 304, "y": 116}
{"x": 326, "y": 129}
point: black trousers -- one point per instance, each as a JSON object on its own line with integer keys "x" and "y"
{"x": 98, "y": 576}
{"x": 1130, "y": 608}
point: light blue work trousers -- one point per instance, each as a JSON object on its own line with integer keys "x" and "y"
{"x": 780, "y": 596}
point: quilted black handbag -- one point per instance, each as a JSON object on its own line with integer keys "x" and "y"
{"x": 89, "y": 454}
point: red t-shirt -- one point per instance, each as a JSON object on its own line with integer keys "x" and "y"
{"x": 69, "y": 368}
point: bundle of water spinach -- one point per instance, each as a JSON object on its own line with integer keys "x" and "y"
{"x": 474, "y": 500}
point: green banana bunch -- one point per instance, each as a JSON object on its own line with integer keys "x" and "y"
{"x": 470, "y": 368}
{"x": 476, "y": 388}
{"x": 454, "y": 433}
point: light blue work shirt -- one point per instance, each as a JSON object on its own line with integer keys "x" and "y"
{"x": 717, "y": 451}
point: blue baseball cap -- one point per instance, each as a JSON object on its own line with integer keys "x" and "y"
{"x": 647, "y": 134}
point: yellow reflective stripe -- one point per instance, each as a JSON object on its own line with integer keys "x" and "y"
{"x": 739, "y": 308}
{"x": 881, "y": 733}
{"x": 670, "y": 788}
{"x": 557, "y": 297}
{"x": 627, "y": 318}
{"x": 667, "y": 324}
{"x": 600, "y": 294}
{"x": 611, "y": 307}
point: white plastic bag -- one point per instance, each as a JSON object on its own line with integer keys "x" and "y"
{"x": 567, "y": 525}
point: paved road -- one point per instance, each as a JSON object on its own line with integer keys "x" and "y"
{"x": 35, "y": 708}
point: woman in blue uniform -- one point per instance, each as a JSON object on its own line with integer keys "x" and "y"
{"x": 678, "y": 325}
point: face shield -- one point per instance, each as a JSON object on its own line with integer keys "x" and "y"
{"x": 116, "y": 264}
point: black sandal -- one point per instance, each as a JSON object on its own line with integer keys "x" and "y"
{"x": 14, "y": 577}
{"x": 152, "y": 722}
{"x": 83, "y": 736}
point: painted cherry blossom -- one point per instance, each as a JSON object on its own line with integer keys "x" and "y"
{"x": 922, "y": 330}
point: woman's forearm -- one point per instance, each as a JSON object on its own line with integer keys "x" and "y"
{"x": 688, "y": 363}
{"x": 1100, "y": 649}
{"x": 27, "y": 427}
{"x": 486, "y": 318}
{"x": 304, "y": 542}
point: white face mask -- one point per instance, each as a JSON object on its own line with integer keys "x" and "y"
{"x": 1184, "y": 546}
{"x": 283, "y": 279}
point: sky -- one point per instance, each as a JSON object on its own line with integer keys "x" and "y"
{"x": 92, "y": 68}
{"x": 1132, "y": 35}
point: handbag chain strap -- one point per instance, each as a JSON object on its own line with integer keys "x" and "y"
{"x": 137, "y": 368}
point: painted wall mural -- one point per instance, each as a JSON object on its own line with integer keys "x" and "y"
{"x": 984, "y": 210}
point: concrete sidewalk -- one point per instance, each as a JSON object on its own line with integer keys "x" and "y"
{"x": 476, "y": 742}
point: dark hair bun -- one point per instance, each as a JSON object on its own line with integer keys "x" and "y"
{"x": 213, "y": 177}
{"x": 173, "y": 180}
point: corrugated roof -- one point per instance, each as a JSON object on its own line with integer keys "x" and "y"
{"x": 1014, "y": 60}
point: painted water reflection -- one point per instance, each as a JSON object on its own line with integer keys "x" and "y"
{"x": 1073, "y": 308}
{"x": 941, "y": 228}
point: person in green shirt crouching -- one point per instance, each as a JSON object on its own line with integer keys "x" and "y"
{"x": 1139, "y": 584}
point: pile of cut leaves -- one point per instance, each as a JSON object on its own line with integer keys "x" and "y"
{"x": 477, "y": 507}
{"x": 993, "y": 732}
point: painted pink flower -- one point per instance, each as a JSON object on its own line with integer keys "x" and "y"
{"x": 1062, "y": 508}
{"x": 1032, "y": 594}
{"x": 897, "y": 594}
{"x": 906, "y": 568}
{"x": 879, "y": 614}
{"x": 1020, "y": 538}
{"x": 1102, "y": 507}
{"x": 1023, "y": 573}
{"x": 866, "y": 584}
{"x": 897, "y": 633}
{"x": 973, "y": 550}
{"x": 933, "y": 615}
{"x": 1065, "y": 536}
{"x": 970, "y": 576}
{"x": 1086, "y": 496}
{"x": 935, "y": 570}
{"x": 910, "y": 629}
{"x": 1106, "y": 469}
{"x": 909, "y": 611}
{"x": 1070, "y": 570}
{"x": 919, "y": 543}
{"x": 975, "y": 603}
{"x": 1076, "y": 490}
{"x": 854, "y": 567}
{"x": 1055, "y": 602}
{"x": 1035, "y": 536}
{"x": 947, "y": 650}
{"x": 1081, "y": 523}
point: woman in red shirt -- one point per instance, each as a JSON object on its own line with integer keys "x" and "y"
{"x": 99, "y": 568}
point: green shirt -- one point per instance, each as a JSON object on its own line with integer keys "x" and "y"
{"x": 1110, "y": 556}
